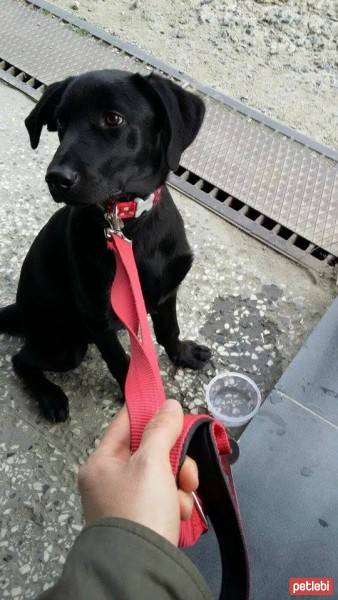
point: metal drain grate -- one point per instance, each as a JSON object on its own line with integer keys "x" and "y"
{"x": 251, "y": 221}
{"x": 273, "y": 182}
{"x": 21, "y": 80}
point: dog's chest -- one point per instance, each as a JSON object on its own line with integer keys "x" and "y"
{"x": 153, "y": 273}
{"x": 160, "y": 275}
{"x": 162, "y": 259}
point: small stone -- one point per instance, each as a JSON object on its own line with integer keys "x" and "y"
{"x": 24, "y": 569}
{"x": 62, "y": 519}
{"x": 225, "y": 21}
{"x": 313, "y": 25}
{"x": 75, "y": 5}
{"x": 317, "y": 43}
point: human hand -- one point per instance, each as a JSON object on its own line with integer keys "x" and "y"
{"x": 140, "y": 487}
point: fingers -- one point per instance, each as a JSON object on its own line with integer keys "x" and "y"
{"x": 188, "y": 476}
{"x": 116, "y": 438}
{"x": 188, "y": 482}
{"x": 163, "y": 430}
{"x": 186, "y": 502}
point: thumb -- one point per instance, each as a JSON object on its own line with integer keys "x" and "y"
{"x": 163, "y": 429}
{"x": 116, "y": 438}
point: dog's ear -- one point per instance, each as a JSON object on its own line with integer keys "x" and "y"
{"x": 185, "y": 113}
{"x": 43, "y": 113}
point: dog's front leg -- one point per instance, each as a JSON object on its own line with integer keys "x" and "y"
{"x": 113, "y": 354}
{"x": 182, "y": 354}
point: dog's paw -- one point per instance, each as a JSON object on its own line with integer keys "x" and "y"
{"x": 191, "y": 355}
{"x": 54, "y": 404}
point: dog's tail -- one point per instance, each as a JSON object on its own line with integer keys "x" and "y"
{"x": 10, "y": 320}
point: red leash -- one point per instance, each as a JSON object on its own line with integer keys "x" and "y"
{"x": 144, "y": 391}
{"x": 203, "y": 438}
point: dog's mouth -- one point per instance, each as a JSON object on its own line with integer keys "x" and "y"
{"x": 115, "y": 195}
{"x": 68, "y": 197}
{"x": 119, "y": 195}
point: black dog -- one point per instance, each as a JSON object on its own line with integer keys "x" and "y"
{"x": 120, "y": 134}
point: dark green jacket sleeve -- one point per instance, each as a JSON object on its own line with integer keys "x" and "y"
{"x": 115, "y": 559}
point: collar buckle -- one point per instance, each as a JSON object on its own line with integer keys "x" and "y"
{"x": 144, "y": 205}
{"x": 119, "y": 211}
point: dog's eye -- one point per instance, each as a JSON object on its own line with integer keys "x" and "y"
{"x": 113, "y": 119}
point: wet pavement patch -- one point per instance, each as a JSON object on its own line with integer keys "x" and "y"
{"x": 244, "y": 337}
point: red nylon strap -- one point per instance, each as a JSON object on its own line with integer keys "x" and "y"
{"x": 144, "y": 391}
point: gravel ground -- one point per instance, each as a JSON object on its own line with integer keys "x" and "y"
{"x": 279, "y": 56}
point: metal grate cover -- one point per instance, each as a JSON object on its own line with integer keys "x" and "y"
{"x": 277, "y": 176}
{"x": 288, "y": 180}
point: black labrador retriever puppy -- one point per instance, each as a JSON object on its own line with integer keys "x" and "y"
{"x": 120, "y": 134}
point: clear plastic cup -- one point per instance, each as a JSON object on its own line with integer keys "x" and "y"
{"x": 233, "y": 398}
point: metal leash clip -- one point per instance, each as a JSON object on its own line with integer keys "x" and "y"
{"x": 200, "y": 509}
{"x": 115, "y": 223}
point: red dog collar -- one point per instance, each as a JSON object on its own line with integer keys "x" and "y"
{"x": 132, "y": 209}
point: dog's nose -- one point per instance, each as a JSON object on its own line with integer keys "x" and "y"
{"x": 61, "y": 177}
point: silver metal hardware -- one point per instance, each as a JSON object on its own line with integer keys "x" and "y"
{"x": 200, "y": 509}
{"x": 114, "y": 222}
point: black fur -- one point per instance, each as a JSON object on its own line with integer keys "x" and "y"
{"x": 62, "y": 301}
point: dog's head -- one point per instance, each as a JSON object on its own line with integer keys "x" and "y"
{"x": 120, "y": 133}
